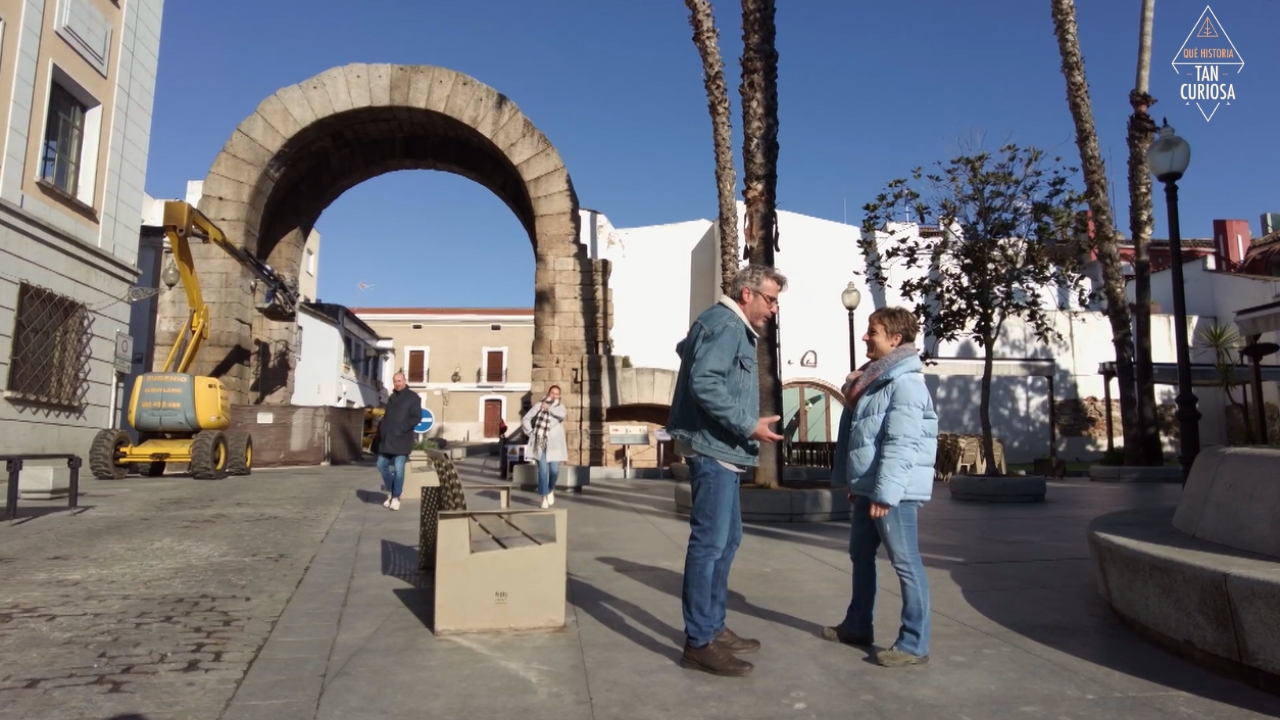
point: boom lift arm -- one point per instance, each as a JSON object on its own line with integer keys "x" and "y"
{"x": 182, "y": 222}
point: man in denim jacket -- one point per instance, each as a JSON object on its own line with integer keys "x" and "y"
{"x": 716, "y": 425}
{"x": 885, "y": 452}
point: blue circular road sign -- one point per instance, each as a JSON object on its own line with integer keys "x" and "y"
{"x": 428, "y": 420}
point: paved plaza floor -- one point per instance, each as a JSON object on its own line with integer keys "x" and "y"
{"x": 293, "y": 594}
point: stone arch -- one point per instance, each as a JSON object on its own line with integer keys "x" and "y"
{"x": 308, "y": 143}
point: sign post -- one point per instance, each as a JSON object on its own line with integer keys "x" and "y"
{"x": 626, "y": 436}
{"x": 428, "y": 421}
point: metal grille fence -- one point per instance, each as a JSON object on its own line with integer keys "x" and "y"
{"x": 50, "y": 356}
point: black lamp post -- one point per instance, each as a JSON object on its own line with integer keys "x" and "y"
{"x": 850, "y": 299}
{"x": 1167, "y": 159}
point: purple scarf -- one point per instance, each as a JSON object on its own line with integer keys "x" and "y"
{"x": 874, "y": 369}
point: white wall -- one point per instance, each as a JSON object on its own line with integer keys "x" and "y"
{"x": 821, "y": 257}
{"x": 321, "y": 376}
{"x": 315, "y": 380}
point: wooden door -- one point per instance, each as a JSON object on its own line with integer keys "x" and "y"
{"x": 493, "y": 367}
{"x": 492, "y": 416}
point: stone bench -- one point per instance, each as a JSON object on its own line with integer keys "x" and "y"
{"x": 500, "y": 570}
{"x": 1204, "y": 580}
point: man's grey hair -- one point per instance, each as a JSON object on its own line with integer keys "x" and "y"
{"x": 753, "y": 276}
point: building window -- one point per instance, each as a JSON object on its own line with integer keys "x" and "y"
{"x": 64, "y": 140}
{"x": 311, "y": 263}
{"x": 494, "y": 367}
{"x": 417, "y": 370}
{"x": 49, "y": 358}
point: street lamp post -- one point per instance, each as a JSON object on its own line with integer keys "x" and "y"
{"x": 1167, "y": 158}
{"x": 850, "y": 299}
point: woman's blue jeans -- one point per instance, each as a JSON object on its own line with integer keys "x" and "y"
{"x": 548, "y": 472}
{"x": 898, "y": 532}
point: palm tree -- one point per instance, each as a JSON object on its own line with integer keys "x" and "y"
{"x": 1142, "y": 130}
{"x": 759, "y": 93}
{"x": 707, "y": 39}
{"x": 1105, "y": 241}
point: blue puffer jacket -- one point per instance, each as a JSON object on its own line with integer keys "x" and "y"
{"x": 888, "y": 443}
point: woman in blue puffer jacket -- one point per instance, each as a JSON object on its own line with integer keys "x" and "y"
{"x": 885, "y": 453}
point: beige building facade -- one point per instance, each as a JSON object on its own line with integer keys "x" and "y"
{"x": 77, "y": 81}
{"x": 472, "y": 366}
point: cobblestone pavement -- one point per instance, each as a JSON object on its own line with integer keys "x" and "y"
{"x": 155, "y": 598}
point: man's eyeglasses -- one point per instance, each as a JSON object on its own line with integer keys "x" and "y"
{"x": 771, "y": 299}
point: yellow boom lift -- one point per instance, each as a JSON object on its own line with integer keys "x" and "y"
{"x": 180, "y": 417}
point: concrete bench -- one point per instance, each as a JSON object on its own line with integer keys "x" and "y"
{"x": 1204, "y": 580}
{"x": 445, "y": 493}
{"x": 500, "y": 570}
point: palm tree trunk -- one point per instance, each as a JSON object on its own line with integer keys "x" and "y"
{"x": 759, "y": 91}
{"x": 707, "y": 39}
{"x": 1105, "y": 241}
{"x": 1142, "y": 130}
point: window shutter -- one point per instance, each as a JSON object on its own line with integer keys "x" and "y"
{"x": 417, "y": 366}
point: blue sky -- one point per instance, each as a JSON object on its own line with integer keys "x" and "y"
{"x": 867, "y": 91}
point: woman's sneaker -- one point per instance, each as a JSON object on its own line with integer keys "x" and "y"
{"x": 395, "y": 503}
{"x": 387, "y": 503}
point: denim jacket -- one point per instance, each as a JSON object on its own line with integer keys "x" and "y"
{"x": 717, "y": 398}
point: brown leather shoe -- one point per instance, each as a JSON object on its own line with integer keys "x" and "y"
{"x": 715, "y": 659}
{"x": 730, "y": 641}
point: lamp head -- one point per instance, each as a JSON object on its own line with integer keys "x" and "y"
{"x": 170, "y": 275}
{"x": 1169, "y": 155}
{"x": 851, "y": 297}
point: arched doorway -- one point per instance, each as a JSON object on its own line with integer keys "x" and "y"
{"x": 308, "y": 143}
{"x": 810, "y": 422}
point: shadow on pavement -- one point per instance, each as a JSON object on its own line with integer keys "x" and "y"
{"x": 1055, "y": 602}
{"x": 613, "y": 612}
{"x": 672, "y": 582}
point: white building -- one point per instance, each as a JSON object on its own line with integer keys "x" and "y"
{"x": 342, "y": 362}
{"x": 77, "y": 80}
{"x": 652, "y": 309}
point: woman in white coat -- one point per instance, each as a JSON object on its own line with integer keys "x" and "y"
{"x": 544, "y": 426}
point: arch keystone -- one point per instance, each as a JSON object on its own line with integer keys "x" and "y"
{"x": 379, "y": 85}
{"x": 401, "y": 76}
{"x": 420, "y": 79}
{"x": 441, "y": 84}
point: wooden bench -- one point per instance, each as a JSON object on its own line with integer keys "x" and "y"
{"x": 500, "y": 570}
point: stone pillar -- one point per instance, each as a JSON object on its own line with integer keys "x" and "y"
{"x": 225, "y": 285}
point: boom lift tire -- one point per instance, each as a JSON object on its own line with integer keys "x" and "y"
{"x": 104, "y": 454}
{"x": 209, "y": 455}
{"x": 239, "y": 453}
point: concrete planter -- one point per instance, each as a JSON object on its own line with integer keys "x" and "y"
{"x": 783, "y": 505}
{"x": 1121, "y": 474}
{"x": 1004, "y": 489}
{"x": 572, "y": 477}
{"x": 419, "y": 472}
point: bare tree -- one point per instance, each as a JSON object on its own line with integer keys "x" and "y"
{"x": 1142, "y": 130}
{"x": 1105, "y": 240}
{"x": 707, "y": 39}
{"x": 759, "y": 93}
{"x": 1009, "y": 231}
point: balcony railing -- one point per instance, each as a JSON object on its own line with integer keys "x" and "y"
{"x": 809, "y": 454}
{"x": 484, "y": 377}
